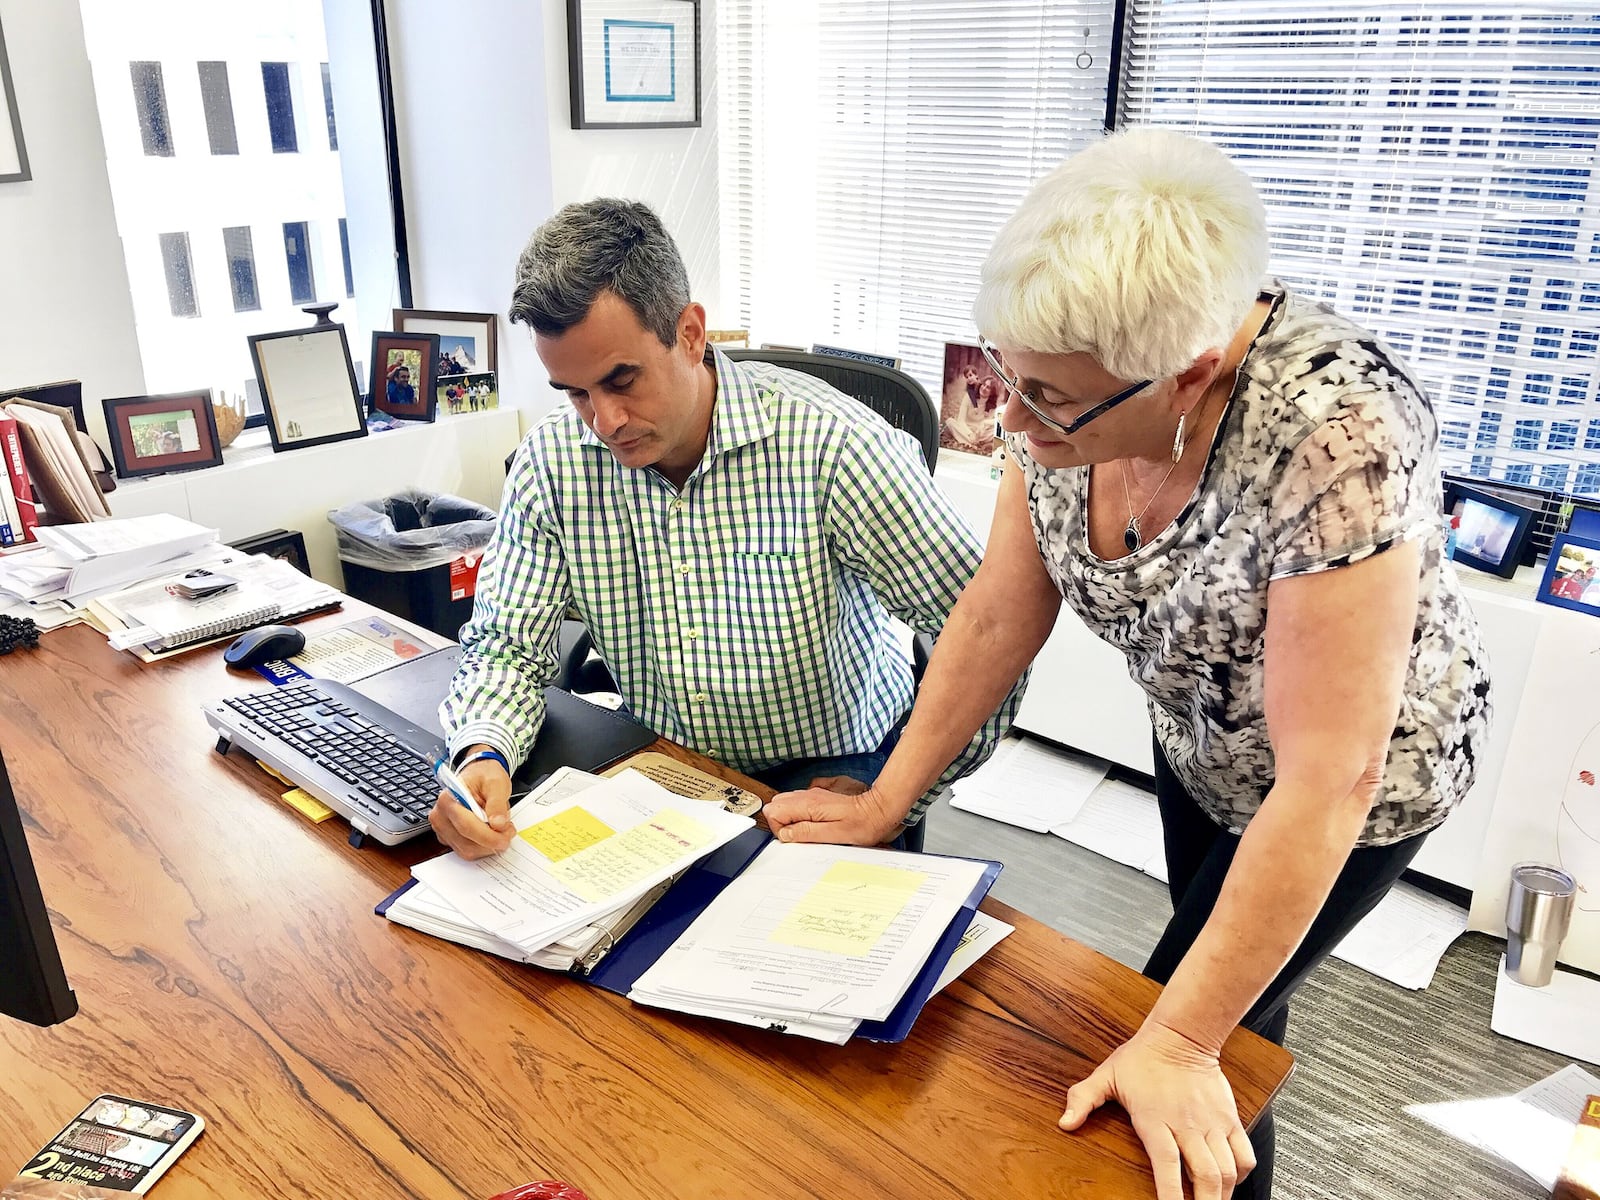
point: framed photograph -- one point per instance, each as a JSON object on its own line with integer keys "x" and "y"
{"x": 405, "y": 372}
{"x": 13, "y": 153}
{"x": 287, "y": 544}
{"x": 468, "y": 393}
{"x": 1572, "y": 575}
{"x": 151, "y": 435}
{"x": 970, "y": 402}
{"x": 634, "y": 64}
{"x": 1491, "y": 531}
{"x": 466, "y": 340}
{"x": 308, "y": 386}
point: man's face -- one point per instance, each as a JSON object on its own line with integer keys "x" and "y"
{"x": 403, "y": 376}
{"x": 636, "y": 394}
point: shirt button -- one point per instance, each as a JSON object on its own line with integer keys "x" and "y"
{"x": 699, "y": 697}
{"x": 691, "y": 634}
{"x": 683, "y": 568}
{"x": 677, "y": 506}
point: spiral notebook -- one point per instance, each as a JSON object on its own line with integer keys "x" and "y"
{"x": 153, "y": 616}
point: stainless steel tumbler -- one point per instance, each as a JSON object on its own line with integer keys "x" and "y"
{"x": 1538, "y": 912}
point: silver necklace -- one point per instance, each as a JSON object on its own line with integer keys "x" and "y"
{"x": 1132, "y": 538}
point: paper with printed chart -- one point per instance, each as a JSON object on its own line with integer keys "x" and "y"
{"x": 574, "y": 861}
{"x": 1547, "y": 807}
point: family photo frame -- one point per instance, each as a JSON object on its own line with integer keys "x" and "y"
{"x": 308, "y": 387}
{"x": 405, "y": 375}
{"x": 1572, "y": 574}
{"x": 154, "y": 435}
{"x": 634, "y": 64}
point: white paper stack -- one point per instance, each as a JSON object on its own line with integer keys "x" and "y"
{"x": 576, "y": 866}
{"x": 812, "y": 939}
{"x": 1029, "y": 784}
{"x": 1120, "y": 822}
{"x": 1404, "y": 937}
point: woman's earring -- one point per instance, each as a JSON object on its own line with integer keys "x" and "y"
{"x": 1177, "y": 439}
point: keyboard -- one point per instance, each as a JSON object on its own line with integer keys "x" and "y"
{"x": 351, "y": 753}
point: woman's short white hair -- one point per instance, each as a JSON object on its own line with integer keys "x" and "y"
{"x": 1143, "y": 251}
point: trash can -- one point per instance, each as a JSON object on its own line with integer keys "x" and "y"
{"x": 415, "y": 554}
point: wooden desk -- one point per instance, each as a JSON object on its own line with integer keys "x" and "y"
{"x": 226, "y": 960}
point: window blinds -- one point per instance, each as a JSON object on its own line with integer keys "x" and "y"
{"x": 871, "y": 149}
{"x": 1428, "y": 169}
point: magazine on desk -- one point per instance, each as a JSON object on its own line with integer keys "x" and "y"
{"x": 827, "y": 942}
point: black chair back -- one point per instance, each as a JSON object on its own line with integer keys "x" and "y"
{"x": 893, "y": 395}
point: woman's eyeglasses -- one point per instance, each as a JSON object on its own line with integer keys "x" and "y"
{"x": 991, "y": 354}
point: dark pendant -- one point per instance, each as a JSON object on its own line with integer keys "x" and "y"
{"x": 1130, "y": 535}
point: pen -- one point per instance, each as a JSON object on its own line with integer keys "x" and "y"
{"x": 451, "y": 782}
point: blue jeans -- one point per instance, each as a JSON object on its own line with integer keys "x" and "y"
{"x": 797, "y": 774}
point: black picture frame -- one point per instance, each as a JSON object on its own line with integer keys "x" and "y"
{"x": 132, "y": 462}
{"x": 425, "y": 383}
{"x": 287, "y": 544}
{"x": 8, "y": 94}
{"x": 600, "y": 105}
{"x": 333, "y": 377}
{"x": 1495, "y": 515}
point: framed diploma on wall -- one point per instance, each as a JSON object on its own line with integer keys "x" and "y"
{"x": 308, "y": 386}
{"x": 634, "y": 64}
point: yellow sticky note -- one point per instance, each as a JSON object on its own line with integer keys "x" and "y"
{"x": 306, "y": 804}
{"x": 564, "y": 834}
{"x": 849, "y": 909}
{"x": 603, "y": 870}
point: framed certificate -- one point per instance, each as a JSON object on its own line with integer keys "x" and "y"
{"x": 634, "y": 64}
{"x": 308, "y": 386}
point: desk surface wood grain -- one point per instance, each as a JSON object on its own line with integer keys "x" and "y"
{"x": 227, "y": 960}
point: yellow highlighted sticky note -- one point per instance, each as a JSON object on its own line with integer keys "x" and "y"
{"x": 608, "y": 868}
{"x": 563, "y": 835}
{"x": 849, "y": 909}
{"x": 307, "y": 805}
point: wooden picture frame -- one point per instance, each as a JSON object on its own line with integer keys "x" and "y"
{"x": 154, "y": 435}
{"x": 464, "y": 337}
{"x": 308, "y": 387}
{"x": 416, "y": 355}
{"x": 634, "y": 64}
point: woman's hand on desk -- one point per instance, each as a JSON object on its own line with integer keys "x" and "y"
{"x": 1181, "y": 1107}
{"x": 835, "y": 809}
{"x": 454, "y": 823}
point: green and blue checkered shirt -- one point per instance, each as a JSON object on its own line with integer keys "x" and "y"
{"x": 747, "y": 616}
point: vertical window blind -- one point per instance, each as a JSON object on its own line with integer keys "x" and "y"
{"x": 871, "y": 149}
{"x": 1430, "y": 171}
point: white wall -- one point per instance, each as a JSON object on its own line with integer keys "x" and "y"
{"x": 65, "y": 309}
{"x": 513, "y": 159}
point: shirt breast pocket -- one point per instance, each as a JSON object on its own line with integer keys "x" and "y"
{"x": 764, "y": 601}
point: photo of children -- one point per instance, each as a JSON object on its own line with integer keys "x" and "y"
{"x": 1577, "y": 576}
{"x": 468, "y": 393}
{"x": 402, "y": 373}
{"x": 969, "y": 402}
{"x": 158, "y": 434}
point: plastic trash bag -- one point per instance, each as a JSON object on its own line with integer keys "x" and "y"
{"x": 411, "y": 530}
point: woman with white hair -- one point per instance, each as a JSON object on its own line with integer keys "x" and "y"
{"x": 1239, "y": 489}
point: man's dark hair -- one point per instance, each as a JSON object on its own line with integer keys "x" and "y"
{"x": 616, "y": 246}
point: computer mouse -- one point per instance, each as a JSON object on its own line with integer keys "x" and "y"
{"x": 263, "y": 644}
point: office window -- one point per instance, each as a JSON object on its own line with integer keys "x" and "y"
{"x": 216, "y": 98}
{"x": 327, "y": 102}
{"x": 280, "y": 107}
{"x": 180, "y": 274}
{"x": 239, "y": 249}
{"x": 1431, "y": 174}
{"x": 297, "y": 250}
{"x": 869, "y": 153}
{"x": 150, "y": 99}
{"x": 344, "y": 250}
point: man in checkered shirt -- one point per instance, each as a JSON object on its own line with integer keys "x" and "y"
{"x": 735, "y": 537}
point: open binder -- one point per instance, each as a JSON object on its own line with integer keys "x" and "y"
{"x": 617, "y": 960}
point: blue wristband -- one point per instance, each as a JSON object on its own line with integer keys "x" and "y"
{"x": 480, "y": 756}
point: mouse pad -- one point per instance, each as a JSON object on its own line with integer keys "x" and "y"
{"x": 575, "y": 733}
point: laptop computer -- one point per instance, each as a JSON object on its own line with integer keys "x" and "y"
{"x": 368, "y": 750}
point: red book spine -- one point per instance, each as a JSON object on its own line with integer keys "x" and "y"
{"x": 17, "y": 471}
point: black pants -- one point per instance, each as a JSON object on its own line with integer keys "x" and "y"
{"x": 1199, "y": 853}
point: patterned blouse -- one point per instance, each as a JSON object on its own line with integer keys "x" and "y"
{"x": 1326, "y": 455}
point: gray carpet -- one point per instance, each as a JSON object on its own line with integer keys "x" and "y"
{"x": 1366, "y": 1049}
